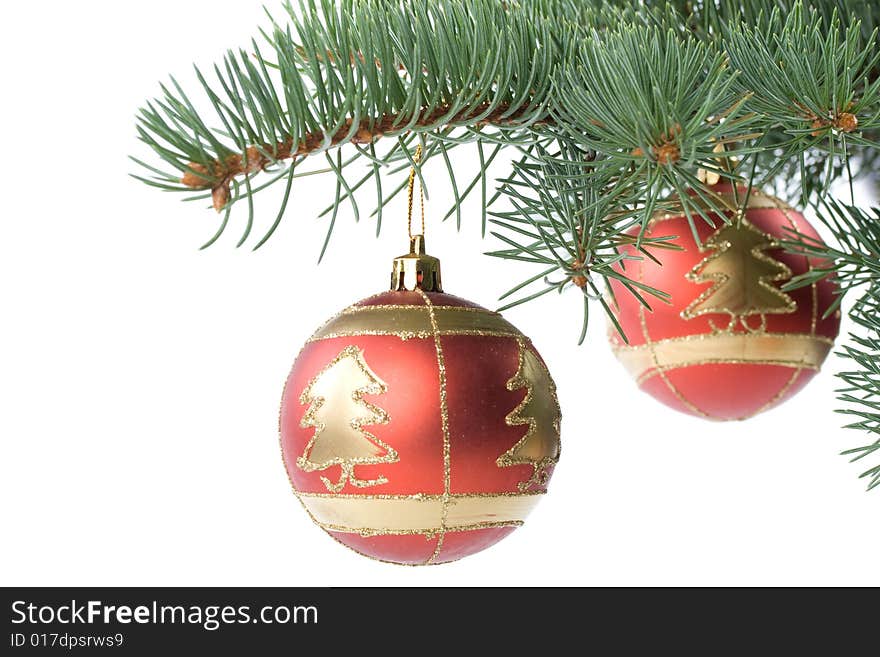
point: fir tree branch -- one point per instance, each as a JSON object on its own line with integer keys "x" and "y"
{"x": 257, "y": 158}
{"x": 862, "y": 392}
{"x": 337, "y": 78}
{"x": 854, "y": 259}
{"x": 812, "y": 78}
{"x": 568, "y": 219}
{"x": 622, "y": 76}
{"x": 650, "y": 100}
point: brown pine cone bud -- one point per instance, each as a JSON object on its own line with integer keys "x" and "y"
{"x": 197, "y": 178}
{"x": 220, "y": 196}
{"x": 846, "y": 122}
{"x": 578, "y": 279}
{"x": 666, "y": 153}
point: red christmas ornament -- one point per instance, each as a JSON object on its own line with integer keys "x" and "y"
{"x": 417, "y": 427}
{"x": 731, "y": 344}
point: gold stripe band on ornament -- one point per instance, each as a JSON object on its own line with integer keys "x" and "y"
{"x": 413, "y": 322}
{"x": 418, "y": 514}
{"x": 788, "y": 350}
{"x": 444, "y": 424}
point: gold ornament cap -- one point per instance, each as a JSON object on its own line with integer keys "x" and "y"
{"x": 416, "y": 270}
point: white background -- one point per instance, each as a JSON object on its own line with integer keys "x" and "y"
{"x": 140, "y": 378}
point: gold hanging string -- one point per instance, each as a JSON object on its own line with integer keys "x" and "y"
{"x": 412, "y": 180}
{"x": 416, "y": 270}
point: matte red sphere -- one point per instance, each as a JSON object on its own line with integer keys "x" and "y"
{"x": 731, "y": 343}
{"x": 418, "y": 428}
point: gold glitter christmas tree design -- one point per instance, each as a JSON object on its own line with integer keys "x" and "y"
{"x": 743, "y": 276}
{"x": 539, "y": 409}
{"x": 338, "y": 412}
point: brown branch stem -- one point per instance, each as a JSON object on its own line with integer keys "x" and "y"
{"x": 218, "y": 175}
